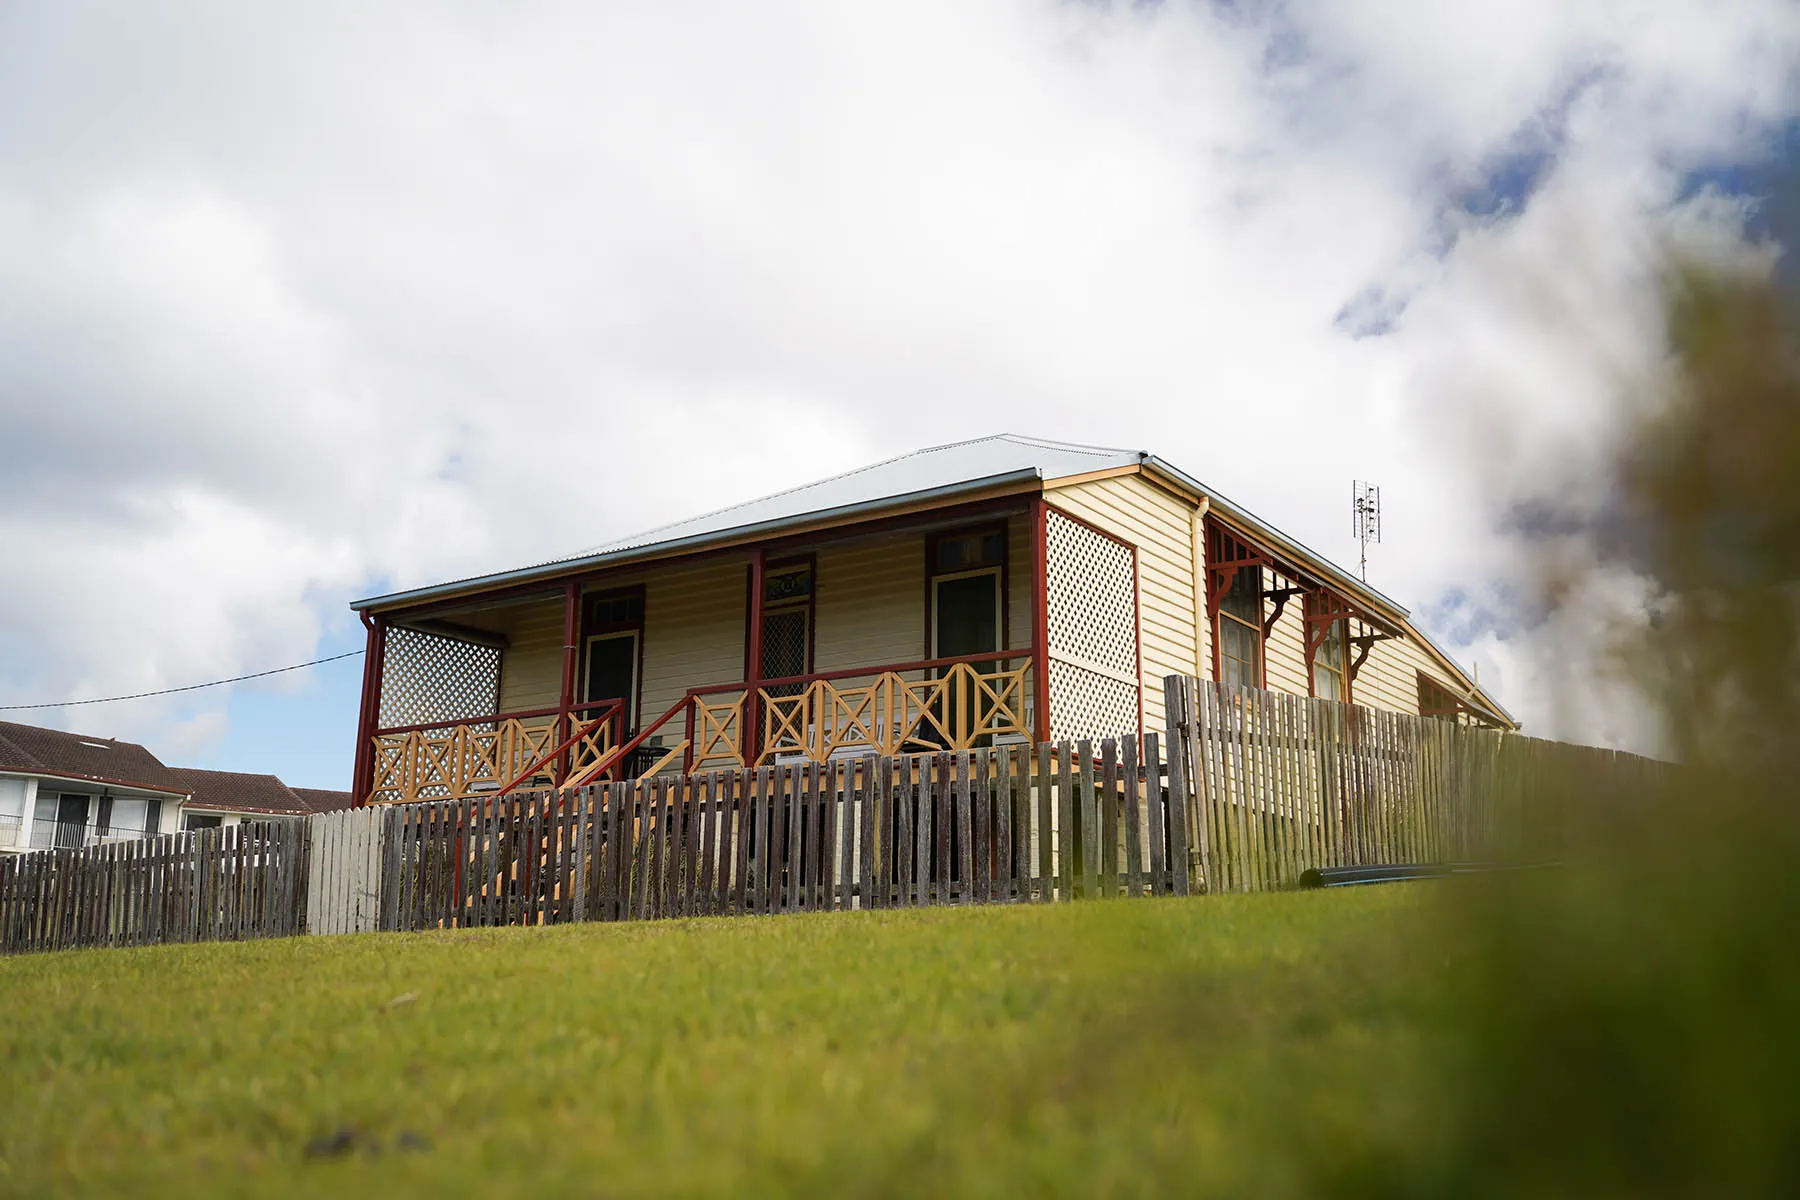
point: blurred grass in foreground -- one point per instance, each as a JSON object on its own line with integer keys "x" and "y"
{"x": 995, "y": 1051}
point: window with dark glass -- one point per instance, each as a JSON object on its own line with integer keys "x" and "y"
{"x": 1240, "y": 629}
{"x": 614, "y": 626}
{"x": 966, "y": 587}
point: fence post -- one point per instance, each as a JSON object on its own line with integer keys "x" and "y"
{"x": 1178, "y": 716}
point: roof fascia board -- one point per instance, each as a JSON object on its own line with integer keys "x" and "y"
{"x": 1026, "y": 479}
{"x": 41, "y": 774}
{"x": 1067, "y": 481}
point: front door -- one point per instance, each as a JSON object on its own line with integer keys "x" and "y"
{"x": 965, "y": 614}
{"x": 612, "y": 666}
{"x": 71, "y": 820}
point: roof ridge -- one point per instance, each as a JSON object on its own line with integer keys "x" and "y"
{"x": 1053, "y": 444}
{"x": 799, "y": 487}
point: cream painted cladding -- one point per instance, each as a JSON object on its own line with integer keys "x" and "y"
{"x": 869, "y": 610}
{"x": 1174, "y": 634}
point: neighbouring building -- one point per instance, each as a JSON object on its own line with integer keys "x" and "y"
{"x": 68, "y": 790}
{"x": 1002, "y": 589}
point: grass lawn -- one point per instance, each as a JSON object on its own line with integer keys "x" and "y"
{"x": 1115, "y": 1048}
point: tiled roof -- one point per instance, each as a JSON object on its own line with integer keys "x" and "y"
{"x": 53, "y": 752}
{"x": 77, "y": 755}
{"x": 236, "y": 791}
{"x": 323, "y": 799}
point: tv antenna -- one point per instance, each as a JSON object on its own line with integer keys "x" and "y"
{"x": 1365, "y": 504}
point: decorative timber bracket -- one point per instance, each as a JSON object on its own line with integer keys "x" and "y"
{"x": 1363, "y": 643}
{"x": 1326, "y": 610}
{"x": 1280, "y": 596}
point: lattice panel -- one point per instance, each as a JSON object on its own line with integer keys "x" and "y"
{"x": 426, "y": 677}
{"x": 1092, "y": 584}
{"x": 1086, "y": 705}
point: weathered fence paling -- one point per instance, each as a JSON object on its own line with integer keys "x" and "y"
{"x": 1276, "y": 784}
{"x": 243, "y": 881}
{"x": 1258, "y": 788}
{"x": 947, "y": 828}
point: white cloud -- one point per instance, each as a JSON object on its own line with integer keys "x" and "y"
{"x": 294, "y": 304}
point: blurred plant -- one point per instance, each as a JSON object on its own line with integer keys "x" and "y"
{"x": 1632, "y": 1024}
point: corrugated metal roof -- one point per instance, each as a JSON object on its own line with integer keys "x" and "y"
{"x": 920, "y": 471}
{"x": 933, "y": 473}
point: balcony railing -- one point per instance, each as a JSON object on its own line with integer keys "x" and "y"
{"x": 448, "y": 760}
{"x": 935, "y": 704}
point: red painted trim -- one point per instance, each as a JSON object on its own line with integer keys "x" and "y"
{"x": 1137, "y": 634}
{"x": 571, "y": 651}
{"x": 362, "y": 770}
{"x": 521, "y": 715}
{"x": 374, "y": 666}
{"x": 924, "y": 664}
{"x": 1040, "y": 612}
{"x": 753, "y": 657}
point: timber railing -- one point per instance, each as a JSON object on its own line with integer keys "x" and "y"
{"x": 461, "y": 757}
{"x": 958, "y": 703}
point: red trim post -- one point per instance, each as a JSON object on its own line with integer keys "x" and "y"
{"x": 571, "y": 638}
{"x": 1040, "y": 613}
{"x": 753, "y": 654}
{"x": 368, "y": 711}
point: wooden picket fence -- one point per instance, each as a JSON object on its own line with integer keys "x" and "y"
{"x": 1259, "y": 787}
{"x": 1282, "y": 784}
{"x": 1000, "y": 825}
{"x": 242, "y": 881}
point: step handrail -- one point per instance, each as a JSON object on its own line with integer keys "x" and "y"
{"x": 617, "y": 754}
{"x": 580, "y": 731}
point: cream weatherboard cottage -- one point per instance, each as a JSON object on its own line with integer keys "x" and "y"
{"x": 1002, "y": 589}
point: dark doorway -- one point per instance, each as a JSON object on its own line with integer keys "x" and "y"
{"x": 71, "y": 820}
{"x": 612, "y": 663}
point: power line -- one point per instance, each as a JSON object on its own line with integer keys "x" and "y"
{"x": 192, "y": 687}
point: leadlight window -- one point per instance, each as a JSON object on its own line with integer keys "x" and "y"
{"x": 1240, "y": 629}
{"x": 1328, "y": 677}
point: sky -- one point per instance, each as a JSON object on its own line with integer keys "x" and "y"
{"x": 305, "y": 303}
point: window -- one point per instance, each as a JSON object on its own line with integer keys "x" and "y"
{"x": 614, "y": 625}
{"x": 193, "y": 821}
{"x": 967, "y": 592}
{"x": 787, "y": 623}
{"x": 1240, "y": 629}
{"x": 1330, "y": 661}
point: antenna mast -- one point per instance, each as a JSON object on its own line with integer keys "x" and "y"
{"x": 1365, "y": 505}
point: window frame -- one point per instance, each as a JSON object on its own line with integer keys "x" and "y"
{"x": 592, "y": 631}
{"x": 1002, "y": 569}
{"x": 1222, "y": 571}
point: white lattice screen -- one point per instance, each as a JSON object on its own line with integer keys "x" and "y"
{"x": 427, "y": 677}
{"x": 1092, "y": 586}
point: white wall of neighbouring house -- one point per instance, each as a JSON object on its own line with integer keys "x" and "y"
{"x": 18, "y": 796}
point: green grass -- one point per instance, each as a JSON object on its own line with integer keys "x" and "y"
{"x": 1118, "y": 1048}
